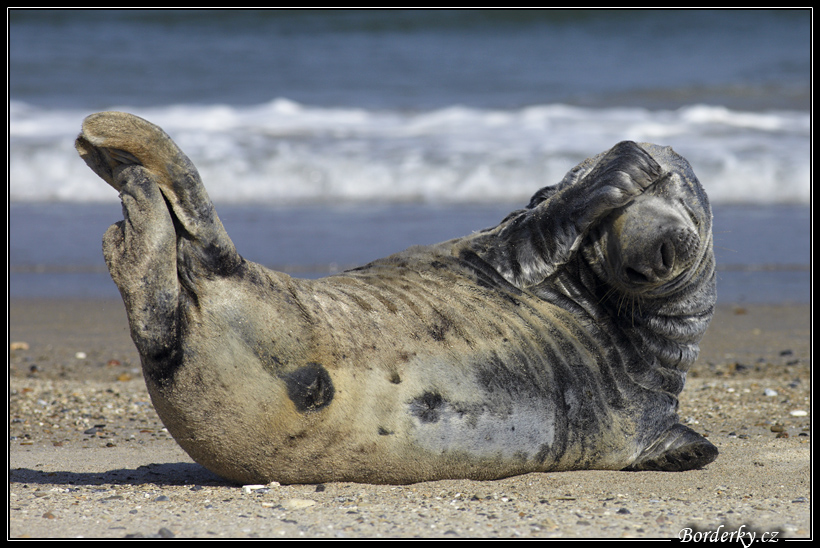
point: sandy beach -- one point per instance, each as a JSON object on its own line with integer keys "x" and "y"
{"x": 88, "y": 457}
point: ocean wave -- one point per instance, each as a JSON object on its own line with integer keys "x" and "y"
{"x": 286, "y": 152}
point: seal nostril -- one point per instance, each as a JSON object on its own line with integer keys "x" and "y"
{"x": 667, "y": 257}
{"x": 634, "y": 276}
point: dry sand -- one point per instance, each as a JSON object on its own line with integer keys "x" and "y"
{"x": 88, "y": 456}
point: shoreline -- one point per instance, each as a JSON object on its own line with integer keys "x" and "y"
{"x": 88, "y": 456}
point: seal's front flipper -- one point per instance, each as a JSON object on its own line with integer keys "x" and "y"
{"x": 533, "y": 243}
{"x": 680, "y": 448}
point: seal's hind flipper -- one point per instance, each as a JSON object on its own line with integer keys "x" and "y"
{"x": 680, "y": 448}
{"x": 111, "y": 141}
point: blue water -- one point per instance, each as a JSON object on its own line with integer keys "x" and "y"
{"x": 329, "y": 138}
{"x": 411, "y": 59}
{"x": 763, "y": 252}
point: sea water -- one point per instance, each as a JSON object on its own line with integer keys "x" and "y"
{"x": 330, "y": 138}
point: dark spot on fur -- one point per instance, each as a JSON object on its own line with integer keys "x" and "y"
{"x": 310, "y": 387}
{"x": 160, "y": 344}
{"x": 395, "y": 378}
{"x": 439, "y": 330}
{"x": 162, "y": 365}
{"x": 427, "y": 407}
{"x": 385, "y": 432}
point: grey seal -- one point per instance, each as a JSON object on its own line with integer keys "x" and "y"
{"x": 557, "y": 340}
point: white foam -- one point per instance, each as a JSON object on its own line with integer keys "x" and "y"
{"x": 282, "y": 151}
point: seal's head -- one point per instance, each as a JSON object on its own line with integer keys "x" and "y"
{"x": 655, "y": 245}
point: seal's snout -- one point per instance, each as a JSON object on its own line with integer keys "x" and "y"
{"x": 651, "y": 242}
{"x": 665, "y": 250}
{"x": 652, "y": 267}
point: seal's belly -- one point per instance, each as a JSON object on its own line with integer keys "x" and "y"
{"x": 547, "y": 403}
{"x": 455, "y": 370}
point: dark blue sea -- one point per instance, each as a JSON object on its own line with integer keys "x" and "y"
{"x": 328, "y": 138}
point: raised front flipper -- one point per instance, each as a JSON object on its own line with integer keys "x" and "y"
{"x": 534, "y": 243}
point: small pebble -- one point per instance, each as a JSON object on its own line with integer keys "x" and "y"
{"x": 769, "y": 392}
{"x": 798, "y": 413}
{"x": 297, "y": 504}
{"x": 80, "y": 355}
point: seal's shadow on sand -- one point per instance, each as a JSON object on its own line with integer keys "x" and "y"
{"x": 178, "y": 473}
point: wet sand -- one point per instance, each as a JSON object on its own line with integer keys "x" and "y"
{"x": 88, "y": 457}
